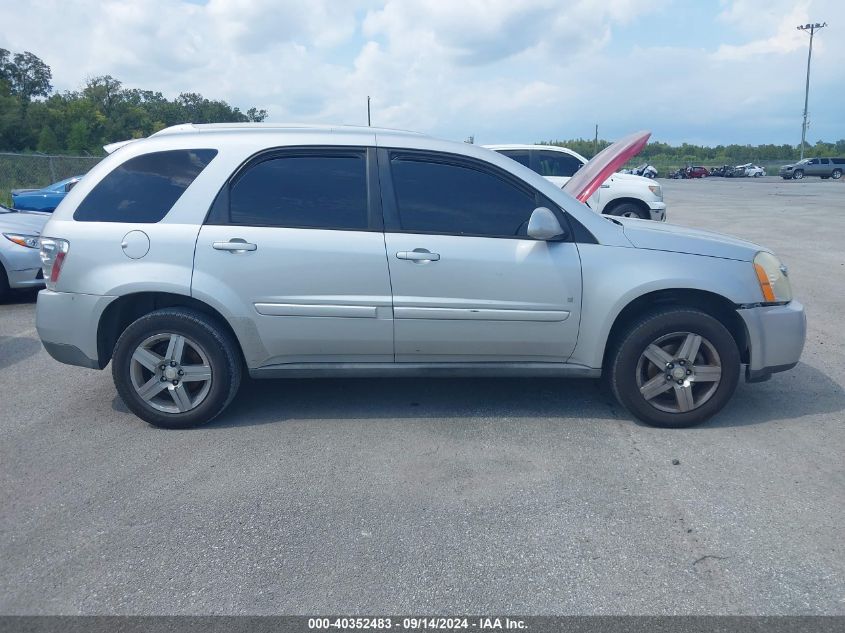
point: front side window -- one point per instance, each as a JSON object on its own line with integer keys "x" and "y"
{"x": 557, "y": 164}
{"x": 458, "y": 199}
{"x": 144, "y": 188}
{"x": 326, "y": 191}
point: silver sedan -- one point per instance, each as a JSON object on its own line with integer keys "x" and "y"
{"x": 20, "y": 264}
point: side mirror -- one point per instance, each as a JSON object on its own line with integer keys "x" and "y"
{"x": 544, "y": 225}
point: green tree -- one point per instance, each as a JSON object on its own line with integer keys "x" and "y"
{"x": 48, "y": 142}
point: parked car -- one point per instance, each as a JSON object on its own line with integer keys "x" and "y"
{"x": 689, "y": 172}
{"x": 823, "y": 167}
{"x": 720, "y": 171}
{"x": 737, "y": 171}
{"x": 20, "y": 264}
{"x": 201, "y": 252}
{"x": 645, "y": 170}
{"x": 751, "y": 170}
{"x": 622, "y": 195}
{"x": 46, "y": 199}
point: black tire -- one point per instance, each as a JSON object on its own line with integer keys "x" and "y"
{"x": 629, "y": 210}
{"x": 798, "y": 174}
{"x": 824, "y": 177}
{"x": 223, "y": 357}
{"x": 624, "y": 363}
{"x": 837, "y": 174}
{"x": 4, "y": 283}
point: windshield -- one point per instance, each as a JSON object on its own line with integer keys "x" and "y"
{"x": 59, "y": 186}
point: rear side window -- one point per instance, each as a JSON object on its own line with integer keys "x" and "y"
{"x": 435, "y": 197}
{"x": 519, "y": 155}
{"x": 324, "y": 191}
{"x": 838, "y": 161}
{"x": 144, "y": 188}
{"x": 557, "y": 164}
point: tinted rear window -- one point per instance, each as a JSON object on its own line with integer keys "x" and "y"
{"x": 519, "y": 155}
{"x": 144, "y": 188}
{"x": 838, "y": 161}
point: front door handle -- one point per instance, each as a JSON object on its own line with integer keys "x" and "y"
{"x": 235, "y": 245}
{"x": 419, "y": 255}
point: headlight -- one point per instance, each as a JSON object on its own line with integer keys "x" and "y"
{"x": 657, "y": 190}
{"x": 772, "y": 275}
{"x": 22, "y": 239}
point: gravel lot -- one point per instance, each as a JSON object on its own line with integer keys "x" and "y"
{"x": 533, "y": 496}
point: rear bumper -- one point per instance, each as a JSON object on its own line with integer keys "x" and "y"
{"x": 776, "y": 336}
{"x": 67, "y": 325}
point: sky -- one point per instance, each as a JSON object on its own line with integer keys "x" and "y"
{"x": 504, "y": 71}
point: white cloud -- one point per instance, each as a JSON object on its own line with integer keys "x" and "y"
{"x": 502, "y": 70}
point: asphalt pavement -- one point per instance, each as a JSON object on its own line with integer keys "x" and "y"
{"x": 531, "y": 496}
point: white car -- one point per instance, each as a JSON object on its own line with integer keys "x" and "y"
{"x": 753, "y": 171}
{"x": 623, "y": 195}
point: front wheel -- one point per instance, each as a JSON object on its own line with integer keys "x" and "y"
{"x": 4, "y": 283}
{"x": 629, "y": 210}
{"x": 798, "y": 174}
{"x": 675, "y": 368}
{"x": 176, "y": 368}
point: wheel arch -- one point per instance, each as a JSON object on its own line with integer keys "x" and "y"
{"x": 716, "y": 305}
{"x": 121, "y": 312}
{"x": 610, "y": 206}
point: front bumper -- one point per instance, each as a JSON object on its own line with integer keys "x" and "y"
{"x": 776, "y": 336}
{"x": 658, "y": 211}
{"x": 29, "y": 278}
{"x": 67, "y": 324}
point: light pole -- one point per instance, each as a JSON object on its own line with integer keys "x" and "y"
{"x": 812, "y": 28}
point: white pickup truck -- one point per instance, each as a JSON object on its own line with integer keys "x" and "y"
{"x": 621, "y": 194}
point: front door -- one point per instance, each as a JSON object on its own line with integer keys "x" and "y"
{"x": 294, "y": 250}
{"x": 468, "y": 284}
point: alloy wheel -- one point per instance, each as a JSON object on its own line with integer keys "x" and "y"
{"x": 679, "y": 372}
{"x": 171, "y": 372}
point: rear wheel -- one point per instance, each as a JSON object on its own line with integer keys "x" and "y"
{"x": 176, "y": 368}
{"x": 629, "y": 210}
{"x": 837, "y": 174}
{"x": 798, "y": 174}
{"x": 675, "y": 368}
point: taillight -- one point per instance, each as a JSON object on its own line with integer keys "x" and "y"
{"x": 53, "y": 253}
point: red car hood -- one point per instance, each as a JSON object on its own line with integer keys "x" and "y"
{"x": 604, "y": 164}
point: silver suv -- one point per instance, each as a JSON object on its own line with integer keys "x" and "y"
{"x": 824, "y": 168}
{"x": 204, "y": 251}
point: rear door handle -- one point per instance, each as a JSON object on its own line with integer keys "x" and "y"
{"x": 235, "y": 245}
{"x": 419, "y": 255}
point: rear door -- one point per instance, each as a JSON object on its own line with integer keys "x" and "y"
{"x": 294, "y": 247}
{"x": 468, "y": 284}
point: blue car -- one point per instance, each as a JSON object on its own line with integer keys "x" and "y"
{"x": 46, "y": 199}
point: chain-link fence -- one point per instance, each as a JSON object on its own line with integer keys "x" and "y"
{"x": 33, "y": 171}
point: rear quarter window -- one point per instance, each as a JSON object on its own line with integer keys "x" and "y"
{"x": 838, "y": 161}
{"x": 144, "y": 188}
